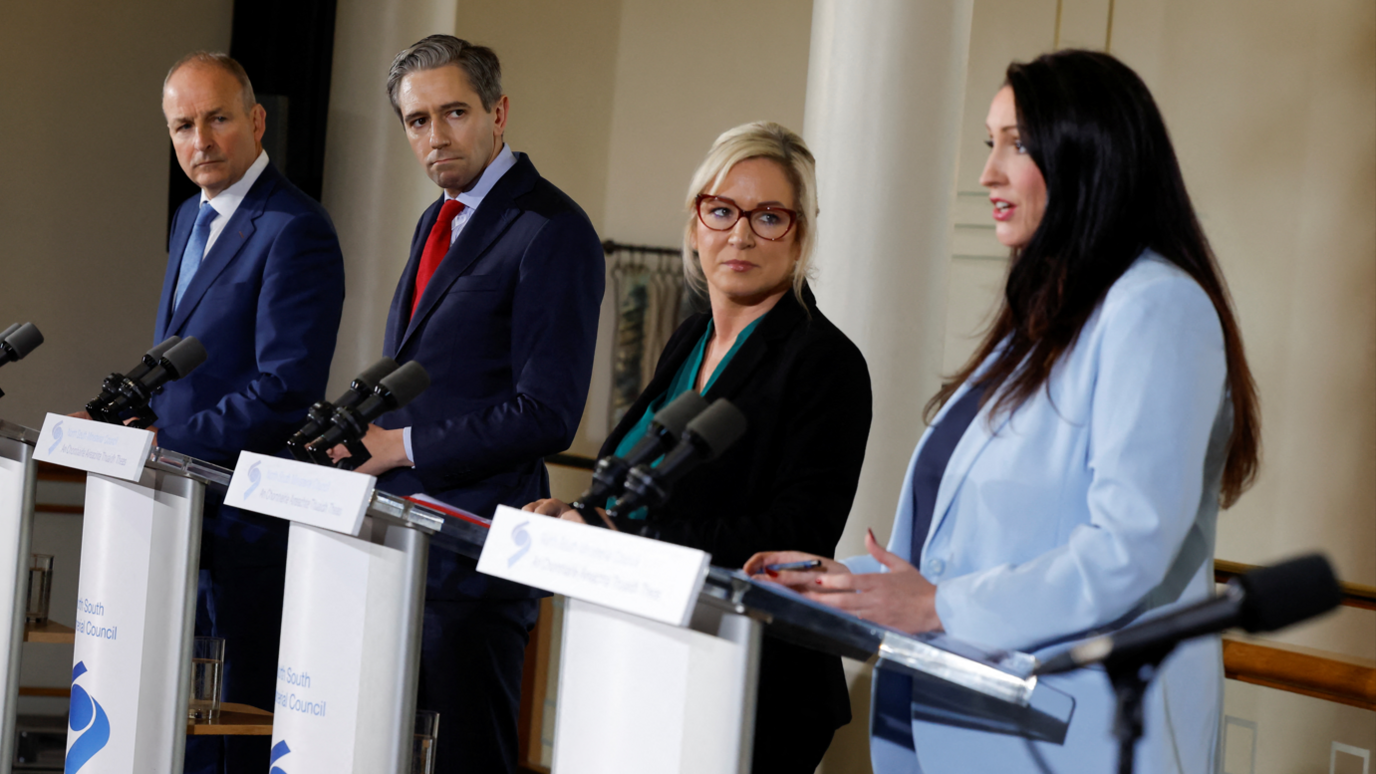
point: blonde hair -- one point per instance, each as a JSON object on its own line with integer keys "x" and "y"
{"x": 757, "y": 140}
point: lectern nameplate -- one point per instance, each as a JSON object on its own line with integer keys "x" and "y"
{"x": 95, "y": 447}
{"x": 315, "y": 495}
{"x": 636, "y": 575}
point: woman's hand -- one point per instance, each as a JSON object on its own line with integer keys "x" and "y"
{"x": 550, "y": 507}
{"x": 900, "y": 598}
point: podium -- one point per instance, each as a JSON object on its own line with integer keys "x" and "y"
{"x": 350, "y": 649}
{"x": 638, "y": 695}
{"x": 17, "y": 483}
{"x": 349, "y": 662}
{"x": 660, "y": 655}
{"x": 136, "y": 611}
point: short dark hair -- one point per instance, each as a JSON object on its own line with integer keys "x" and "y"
{"x": 479, "y": 63}
{"x": 224, "y": 62}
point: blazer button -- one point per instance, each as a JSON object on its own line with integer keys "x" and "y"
{"x": 935, "y": 567}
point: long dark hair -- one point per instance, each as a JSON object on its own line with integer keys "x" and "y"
{"x": 1114, "y": 188}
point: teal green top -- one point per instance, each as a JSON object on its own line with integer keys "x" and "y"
{"x": 683, "y": 381}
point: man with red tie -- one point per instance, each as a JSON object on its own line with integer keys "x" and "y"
{"x": 499, "y": 302}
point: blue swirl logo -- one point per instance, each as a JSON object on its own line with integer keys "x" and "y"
{"x": 522, "y": 540}
{"x": 57, "y": 436}
{"x": 85, "y": 715}
{"x": 253, "y": 478}
{"x": 278, "y": 750}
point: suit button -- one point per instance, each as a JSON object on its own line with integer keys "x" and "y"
{"x": 935, "y": 567}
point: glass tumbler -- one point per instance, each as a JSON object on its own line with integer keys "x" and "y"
{"x": 207, "y": 671}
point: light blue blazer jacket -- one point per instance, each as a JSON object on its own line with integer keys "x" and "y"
{"x": 1094, "y": 502}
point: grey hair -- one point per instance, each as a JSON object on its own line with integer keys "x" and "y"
{"x": 224, "y": 62}
{"x": 479, "y": 63}
{"x": 757, "y": 140}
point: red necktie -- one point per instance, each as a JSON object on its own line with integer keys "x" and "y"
{"x": 436, "y": 247}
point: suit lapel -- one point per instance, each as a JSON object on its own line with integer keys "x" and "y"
{"x": 181, "y": 233}
{"x": 777, "y": 324}
{"x": 972, "y": 443}
{"x": 665, "y": 370}
{"x": 231, "y": 240}
{"x": 399, "y": 320}
{"x": 493, "y": 216}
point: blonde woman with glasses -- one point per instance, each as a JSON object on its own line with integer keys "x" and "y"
{"x": 750, "y": 227}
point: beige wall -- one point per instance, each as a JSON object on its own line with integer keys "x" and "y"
{"x": 83, "y": 224}
{"x": 83, "y": 191}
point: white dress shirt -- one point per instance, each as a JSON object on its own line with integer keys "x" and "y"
{"x": 471, "y": 200}
{"x": 227, "y": 201}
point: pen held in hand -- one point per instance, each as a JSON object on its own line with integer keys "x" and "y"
{"x": 807, "y": 564}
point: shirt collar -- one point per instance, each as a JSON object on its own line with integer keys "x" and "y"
{"x": 228, "y": 200}
{"x": 473, "y": 197}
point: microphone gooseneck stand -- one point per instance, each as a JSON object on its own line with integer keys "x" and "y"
{"x": 1130, "y": 676}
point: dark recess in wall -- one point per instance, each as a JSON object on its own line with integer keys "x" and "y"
{"x": 287, "y": 49}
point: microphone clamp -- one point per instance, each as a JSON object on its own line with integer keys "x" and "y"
{"x": 318, "y": 416}
{"x": 642, "y": 487}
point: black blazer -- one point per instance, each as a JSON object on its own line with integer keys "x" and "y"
{"x": 788, "y": 483}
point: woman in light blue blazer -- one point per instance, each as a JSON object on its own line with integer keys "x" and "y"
{"x": 1072, "y": 474}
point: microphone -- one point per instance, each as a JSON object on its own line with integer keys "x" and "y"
{"x": 704, "y": 439}
{"x": 110, "y": 387}
{"x": 18, "y": 341}
{"x": 1263, "y": 600}
{"x": 318, "y": 418}
{"x": 608, "y": 479}
{"x": 349, "y": 425}
{"x": 134, "y": 394}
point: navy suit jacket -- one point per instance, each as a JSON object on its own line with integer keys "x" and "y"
{"x": 506, "y": 328}
{"x": 266, "y": 303}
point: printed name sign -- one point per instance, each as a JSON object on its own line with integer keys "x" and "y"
{"x": 95, "y": 447}
{"x": 635, "y": 575}
{"x": 323, "y": 497}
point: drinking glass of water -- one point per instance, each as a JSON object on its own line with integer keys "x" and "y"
{"x": 40, "y": 588}
{"x": 207, "y": 670}
{"x": 427, "y": 733}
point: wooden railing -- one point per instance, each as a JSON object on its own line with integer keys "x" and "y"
{"x": 1318, "y": 673}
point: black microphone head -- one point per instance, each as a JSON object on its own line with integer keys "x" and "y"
{"x": 1287, "y": 593}
{"x": 717, "y": 427}
{"x": 24, "y": 340}
{"x": 161, "y": 349}
{"x": 405, "y": 383}
{"x": 680, "y": 411}
{"x": 5, "y": 333}
{"x": 365, "y": 382}
{"x": 183, "y": 357}
{"x": 376, "y": 372}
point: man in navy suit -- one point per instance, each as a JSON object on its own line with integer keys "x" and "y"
{"x": 254, "y": 271}
{"x": 499, "y": 302}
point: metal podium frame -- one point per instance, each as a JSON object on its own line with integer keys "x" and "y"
{"x": 423, "y": 525}
{"x": 953, "y": 682}
{"x": 185, "y": 477}
{"x": 16, "y": 444}
{"x": 420, "y": 524}
{"x": 410, "y": 527}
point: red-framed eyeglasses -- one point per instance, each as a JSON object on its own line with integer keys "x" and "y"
{"x": 721, "y": 214}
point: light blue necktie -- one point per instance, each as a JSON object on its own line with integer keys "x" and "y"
{"x": 195, "y": 251}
